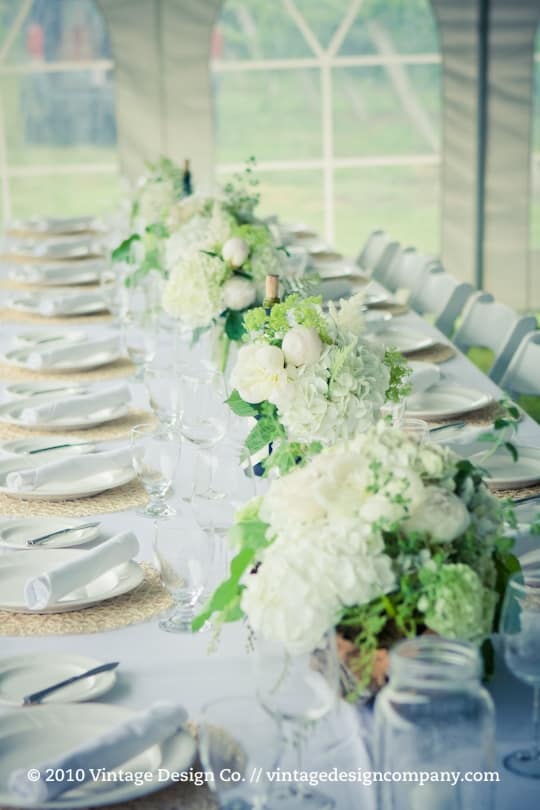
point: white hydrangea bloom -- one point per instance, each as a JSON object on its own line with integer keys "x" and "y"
{"x": 193, "y": 290}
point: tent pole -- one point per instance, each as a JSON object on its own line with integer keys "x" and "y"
{"x": 483, "y": 72}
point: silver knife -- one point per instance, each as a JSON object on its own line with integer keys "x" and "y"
{"x": 37, "y": 697}
{"x": 72, "y": 388}
{"x": 57, "y": 447}
{"x": 42, "y": 538}
{"x": 445, "y": 427}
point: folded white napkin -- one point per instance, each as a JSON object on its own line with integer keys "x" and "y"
{"x": 57, "y": 272}
{"x": 108, "y": 751}
{"x": 70, "y": 303}
{"x": 65, "y": 246}
{"x": 423, "y": 376}
{"x": 48, "y": 357}
{"x": 81, "y": 406}
{"x": 60, "y": 225}
{"x": 50, "y": 587}
{"x": 79, "y": 467}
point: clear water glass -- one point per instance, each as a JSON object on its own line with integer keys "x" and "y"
{"x": 203, "y": 410}
{"x": 183, "y": 555}
{"x": 434, "y": 715}
{"x": 237, "y": 736}
{"x": 156, "y": 453}
{"x": 113, "y": 288}
{"x": 297, "y": 691}
{"x": 223, "y": 476}
{"x": 520, "y": 629}
{"x": 140, "y": 340}
{"x": 416, "y": 428}
{"x": 163, "y": 389}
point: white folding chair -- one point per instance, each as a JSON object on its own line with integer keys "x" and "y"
{"x": 372, "y": 250}
{"x": 492, "y": 325}
{"x": 440, "y": 294}
{"x": 523, "y": 373}
{"x": 407, "y": 270}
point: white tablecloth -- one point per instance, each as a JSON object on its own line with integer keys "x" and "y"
{"x": 157, "y": 665}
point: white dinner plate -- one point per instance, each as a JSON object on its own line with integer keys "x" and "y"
{"x": 19, "y": 359}
{"x": 23, "y": 447}
{"x": 404, "y": 339}
{"x": 14, "y": 534}
{"x": 505, "y": 473}
{"x": 72, "y": 488}
{"x": 377, "y": 320}
{"x": 23, "y": 675}
{"x": 57, "y": 247}
{"x": 446, "y": 400}
{"x": 45, "y": 226}
{"x": 16, "y": 569}
{"x": 45, "y": 337}
{"x": 10, "y": 412}
{"x": 42, "y": 733}
{"x": 70, "y": 275}
{"x": 61, "y": 389}
{"x": 30, "y": 302}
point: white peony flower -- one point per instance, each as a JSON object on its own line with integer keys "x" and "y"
{"x": 259, "y": 373}
{"x": 235, "y": 251}
{"x": 302, "y": 346}
{"x": 238, "y": 293}
{"x": 442, "y": 515}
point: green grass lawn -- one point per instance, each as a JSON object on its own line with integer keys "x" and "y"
{"x": 483, "y": 358}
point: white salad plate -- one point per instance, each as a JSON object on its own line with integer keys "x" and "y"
{"x": 45, "y": 226}
{"x": 31, "y": 301}
{"x": 504, "y": 472}
{"x": 72, "y": 488}
{"x": 59, "y": 445}
{"x": 16, "y": 569}
{"x": 23, "y": 675}
{"x": 446, "y": 400}
{"x": 42, "y": 733}
{"x": 57, "y": 247}
{"x": 60, "y": 389}
{"x": 11, "y": 413}
{"x": 19, "y": 359}
{"x": 404, "y": 339}
{"x": 14, "y": 534}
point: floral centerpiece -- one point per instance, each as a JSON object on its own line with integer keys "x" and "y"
{"x": 310, "y": 378}
{"x": 380, "y": 536}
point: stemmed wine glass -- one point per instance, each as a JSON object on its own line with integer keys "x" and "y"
{"x": 183, "y": 554}
{"x": 297, "y": 690}
{"x": 156, "y": 452}
{"x": 237, "y": 735}
{"x": 520, "y": 628}
{"x": 203, "y": 409}
{"x": 163, "y": 388}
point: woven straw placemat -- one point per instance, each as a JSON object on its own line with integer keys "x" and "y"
{"x": 108, "y": 431}
{"x": 120, "y": 368}
{"x": 13, "y": 315}
{"x": 483, "y": 416}
{"x": 31, "y": 286}
{"x": 437, "y": 353}
{"x": 145, "y": 602}
{"x": 127, "y": 496}
{"x": 524, "y": 492}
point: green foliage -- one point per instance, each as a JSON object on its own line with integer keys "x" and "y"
{"x": 504, "y": 427}
{"x": 398, "y": 386}
{"x": 239, "y": 406}
{"x": 293, "y": 311}
{"x": 124, "y": 253}
{"x": 234, "y": 324}
{"x": 267, "y": 430}
{"x": 241, "y": 199}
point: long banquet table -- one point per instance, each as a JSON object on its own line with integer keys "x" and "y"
{"x": 157, "y": 665}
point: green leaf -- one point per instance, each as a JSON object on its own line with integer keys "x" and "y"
{"x": 512, "y": 450}
{"x": 265, "y": 431}
{"x": 210, "y": 253}
{"x": 239, "y": 406}
{"x": 234, "y": 324}
{"x": 158, "y": 229}
{"x": 122, "y": 253}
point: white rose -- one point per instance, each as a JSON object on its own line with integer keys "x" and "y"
{"x": 302, "y": 346}
{"x": 235, "y": 251}
{"x": 442, "y": 515}
{"x": 238, "y": 293}
{"x": 259, "y": 373}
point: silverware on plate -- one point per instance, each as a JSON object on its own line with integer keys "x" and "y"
{"x": 455, "y": 425}
{"x": 44, "y": 537}
{"x": 57, "y": 447}
{"x": 37, "y": 697}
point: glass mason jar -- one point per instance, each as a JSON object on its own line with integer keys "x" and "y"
{"x": 435, "y": 724}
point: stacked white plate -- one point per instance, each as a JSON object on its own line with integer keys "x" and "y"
{"x": 76, "y": 271}
{"x": 446, "y": 400}
{"x": 32, "y": 302}
{"x": 504, "y": 472}
{"x": 59, "y": 247}
{"x": 20, "y": 357}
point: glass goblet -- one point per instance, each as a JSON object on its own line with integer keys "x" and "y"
{"x": 163, "y": 388}
{"x": 203, "y": 409}
{"x": 114, "y": 291}
{"x": 156, "y": 452}
{"x": 297, "y": 690}
{"x": 237, "y": 736}
{"x": 183, "y": 554}
{"x": 520, "y": 628}
{"x": 140, "y": 340}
